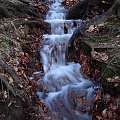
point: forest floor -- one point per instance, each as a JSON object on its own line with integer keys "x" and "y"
{"x": 104, "y": 39}
{"x": 21, "y": 28}
{"x": 98, "y": 52}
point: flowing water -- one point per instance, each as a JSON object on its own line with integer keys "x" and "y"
{"x": 67, "y": 93}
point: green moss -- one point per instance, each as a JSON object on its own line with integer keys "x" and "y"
{"x": 5, "y": 42}
{"x": 115, "y": 32}
{"x": 113, "y": 21}
{"x": 102, "y": 38}
{"x": 110, "y": 70}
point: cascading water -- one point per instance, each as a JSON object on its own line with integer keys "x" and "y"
{"x": 67, "y": 92}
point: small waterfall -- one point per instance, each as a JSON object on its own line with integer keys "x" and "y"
{"x": 67, "y": 92}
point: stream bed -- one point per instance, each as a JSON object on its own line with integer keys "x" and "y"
{"x": 68, "y": 95}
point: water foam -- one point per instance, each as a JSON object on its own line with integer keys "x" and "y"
{"x": 62, "y": 80}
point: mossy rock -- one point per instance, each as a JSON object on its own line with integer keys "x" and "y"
{"x": 5, "y": 42}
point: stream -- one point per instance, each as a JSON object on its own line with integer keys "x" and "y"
{"x": 68, "y": 95}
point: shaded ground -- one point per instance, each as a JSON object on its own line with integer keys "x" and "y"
{"x": 97, "y": 49}
{"x": 21, "y": 30}
{"x": 104, "y": 40}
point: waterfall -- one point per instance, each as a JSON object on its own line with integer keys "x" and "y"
{"x": 68, "y": 94}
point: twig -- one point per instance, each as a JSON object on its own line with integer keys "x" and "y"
{"x": 108, "y": 66}
{"x": 9, "y": 87}
{"x": 10, "y": 71}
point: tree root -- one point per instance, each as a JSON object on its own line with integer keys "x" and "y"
{"x": 11, "y": 72}
{"x": 96, "y": 20}
{"x": 9, "y": 9}
{"x": 9, "y": 87}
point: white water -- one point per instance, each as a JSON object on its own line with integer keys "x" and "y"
{"x": 62, "y": 80}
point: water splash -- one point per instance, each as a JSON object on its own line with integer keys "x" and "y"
{"x": 67, "y": 92}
